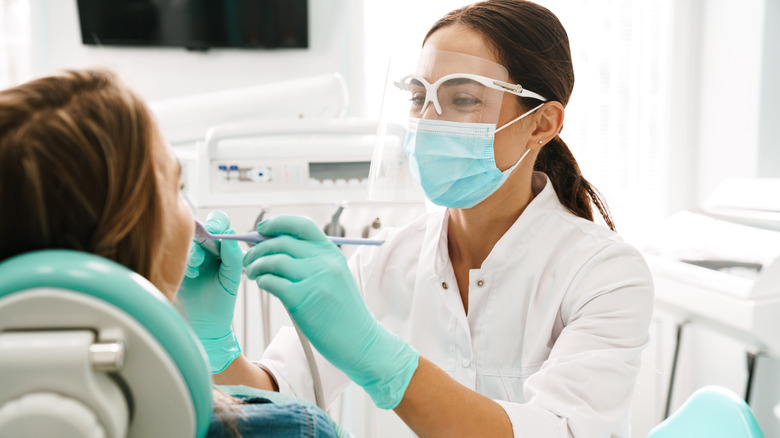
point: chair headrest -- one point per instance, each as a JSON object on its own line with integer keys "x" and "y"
{"x": 93, "y": 276}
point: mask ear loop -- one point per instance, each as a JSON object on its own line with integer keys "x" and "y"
{"x": 514, "y": 166}
{"x": 518, "y": 118}
{"x": 517, "y": 163}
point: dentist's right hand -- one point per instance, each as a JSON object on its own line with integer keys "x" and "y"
{"x": 309, "y": 274}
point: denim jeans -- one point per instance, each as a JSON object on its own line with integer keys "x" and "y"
{"x": 273, "y": 415}
{"x": 259, "y": 417}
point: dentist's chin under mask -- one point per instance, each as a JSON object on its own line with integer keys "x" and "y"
{"x": 454, "y": 161}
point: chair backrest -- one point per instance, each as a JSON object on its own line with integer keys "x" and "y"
{"x": 90, "y": 348}
{"x": 712, "y": 412}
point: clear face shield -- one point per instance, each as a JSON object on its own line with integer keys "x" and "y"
{"x": 445, "y": 86}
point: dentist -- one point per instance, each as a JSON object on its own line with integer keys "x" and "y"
{"x": 510, "y": 313}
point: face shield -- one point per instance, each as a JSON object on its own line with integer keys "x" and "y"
{"x": 444, "y": 86}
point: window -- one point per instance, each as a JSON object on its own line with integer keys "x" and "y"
{"x": 616, "y": 122}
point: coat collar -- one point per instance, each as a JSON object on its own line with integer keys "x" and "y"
{"x": 517, "y": 238}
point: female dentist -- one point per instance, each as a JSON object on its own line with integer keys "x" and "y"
{"x": 510, "y": 313}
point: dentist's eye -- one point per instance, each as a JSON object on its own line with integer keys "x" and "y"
{"x": 463, "y": 101}
{"x": 417, "y": 100}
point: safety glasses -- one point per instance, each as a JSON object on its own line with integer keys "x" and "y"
{"x": 457, "y": 94}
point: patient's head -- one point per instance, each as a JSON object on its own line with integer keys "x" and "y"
{"x": 84, "y": 166}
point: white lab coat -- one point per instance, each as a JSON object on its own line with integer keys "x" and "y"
{"x": 558, "y": 317}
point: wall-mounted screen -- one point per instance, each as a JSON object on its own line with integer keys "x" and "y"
{"x": 195, "y": 24}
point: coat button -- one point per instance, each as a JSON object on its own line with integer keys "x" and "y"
{"x": 480, "y": 283}
{"x": 444, "y": 285}
{"x": 466, "y": 363}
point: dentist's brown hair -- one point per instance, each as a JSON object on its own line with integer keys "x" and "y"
{"x": 532, "y": 44}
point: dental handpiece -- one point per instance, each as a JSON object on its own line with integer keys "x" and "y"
{"x": 209, "y": 240}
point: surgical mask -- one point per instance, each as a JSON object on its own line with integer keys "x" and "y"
{"x": 455, "y": 162}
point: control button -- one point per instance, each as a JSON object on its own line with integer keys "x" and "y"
{"x": 314, "y": 182}
{"x": 353, "y": 182}
{"x": 223, "y": 174}
{"x": 465, "y": 363}
{"x": 260, "y": 174}
{"x": 341, "y": 182}
{"x": 327, "y": 183}
{"x": 233, "y": 167}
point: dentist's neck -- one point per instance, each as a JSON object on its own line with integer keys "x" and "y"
{"x": 472, "y": 233}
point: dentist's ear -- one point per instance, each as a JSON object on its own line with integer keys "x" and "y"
{"x": 548, "y": 123}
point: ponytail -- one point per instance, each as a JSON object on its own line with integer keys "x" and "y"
{"x": 574, "y": 191}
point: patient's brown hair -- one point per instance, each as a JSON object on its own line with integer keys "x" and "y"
{"x": 77, "y": 172}
{"x": 76, "y": 169}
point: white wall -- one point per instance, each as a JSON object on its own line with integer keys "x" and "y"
{"x": 724, "y": 96}
{"x": 769, "y": 128}
{"x": 684, "y": 73}
{"x": 156, "y": 73}
{"x": 729, "y": 92}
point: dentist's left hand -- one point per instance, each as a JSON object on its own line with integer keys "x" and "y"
{"x": 207, "y": 294}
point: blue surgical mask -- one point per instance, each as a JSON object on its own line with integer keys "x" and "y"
{"x": 454, "y": 161}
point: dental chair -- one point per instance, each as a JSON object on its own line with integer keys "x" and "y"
{"x": 711, "y": 412}
{"x": 89, "y": 348}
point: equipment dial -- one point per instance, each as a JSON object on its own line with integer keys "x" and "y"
{"x": 261, "y": 174}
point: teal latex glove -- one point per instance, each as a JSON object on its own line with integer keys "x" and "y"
{"x": 207, "y": 294}
{"x": 310, "y": 276}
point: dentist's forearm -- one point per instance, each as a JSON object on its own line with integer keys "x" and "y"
{"x": 435, "y": 405}
{"x": 243, "y": 372}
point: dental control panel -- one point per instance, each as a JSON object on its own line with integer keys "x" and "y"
{"x": 291, "y": 174}
{"x": 295, "y": 162}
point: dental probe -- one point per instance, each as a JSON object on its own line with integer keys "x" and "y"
{"x": 207, "y": 239}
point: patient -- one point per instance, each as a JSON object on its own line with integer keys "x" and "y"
{"x": 83, "y": 166}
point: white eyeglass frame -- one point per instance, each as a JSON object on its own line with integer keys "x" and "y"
{"x": 432, "y": 90}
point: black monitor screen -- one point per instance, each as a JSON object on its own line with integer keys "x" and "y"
{"x": 195, "y": 24}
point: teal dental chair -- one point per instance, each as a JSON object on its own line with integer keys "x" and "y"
{"x": 89, "y": 348}
{"x": 711, "y": 412}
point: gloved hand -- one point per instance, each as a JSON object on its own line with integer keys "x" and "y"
{"x": 207, "y": 294}
{"x": 310, "y": 276}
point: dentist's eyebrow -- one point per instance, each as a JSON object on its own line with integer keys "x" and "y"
{"x": 461, "y": 81}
